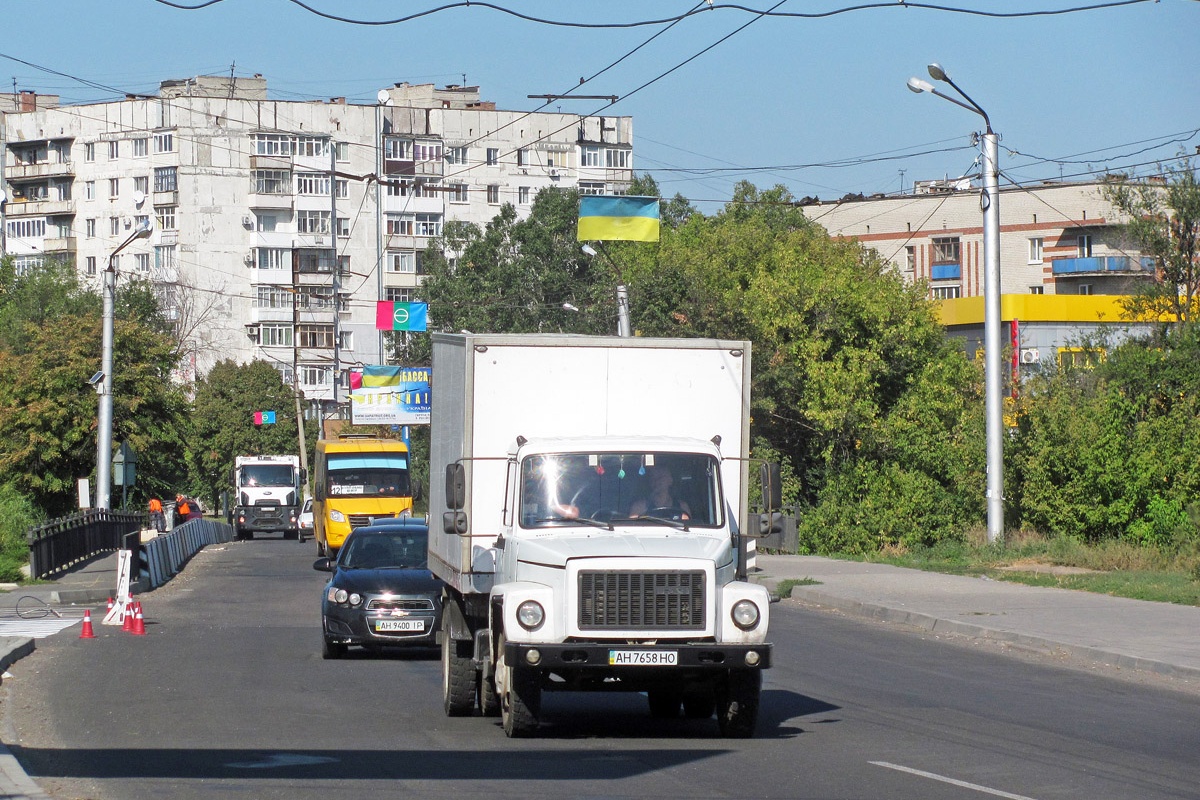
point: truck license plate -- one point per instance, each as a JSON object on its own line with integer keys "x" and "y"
{"x": 643, "y": 658}
{"x": 399, "y": 624}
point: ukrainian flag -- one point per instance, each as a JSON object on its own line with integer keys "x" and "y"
{"x": 605, "y": 218}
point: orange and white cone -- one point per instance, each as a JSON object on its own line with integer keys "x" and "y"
{"x": 87, "y": 632}
{"x": 127, "y": 618}
{"x": 139, "y": 622}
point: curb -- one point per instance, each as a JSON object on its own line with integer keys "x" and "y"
{"x": 13, "y": 650}
{"x": 940, "y": 625}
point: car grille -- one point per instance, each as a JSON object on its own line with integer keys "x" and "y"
{"x": 386, "y": 604}
{"x": 363, "y": 520}
{"x": 668, "y": 600}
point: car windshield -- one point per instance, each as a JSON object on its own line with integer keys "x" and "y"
{"x": 400, "y": 549}
{"x": 683, "y": 489}
{"x": 267, "y": 475}
{"x": 369, "y": 475}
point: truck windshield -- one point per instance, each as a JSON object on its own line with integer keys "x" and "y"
{"x": 683, "y": 489}
{"x": 368, "y": 475}
{"x": 267, "y": 475}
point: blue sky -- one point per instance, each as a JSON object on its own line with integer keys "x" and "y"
{"x": 783, "y": 100}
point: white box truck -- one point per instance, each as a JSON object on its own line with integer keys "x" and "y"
{"x": 268, "y": 492}
{"x": 588, "y": 498}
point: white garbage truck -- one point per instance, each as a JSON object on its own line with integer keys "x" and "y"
{"x": 268, "y": 492}
{"x": 589, "y": 511}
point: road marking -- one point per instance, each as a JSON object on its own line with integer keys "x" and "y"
{"x": 34, "y": 628}
{"x": 952, "y": 781}
{"x": 283, "y": 760}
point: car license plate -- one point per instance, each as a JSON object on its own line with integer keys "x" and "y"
{"x": 643, "y": 658}
{"x": 399, "y": 624}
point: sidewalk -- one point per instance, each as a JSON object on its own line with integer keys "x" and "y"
{"x": 1130, "y": 634}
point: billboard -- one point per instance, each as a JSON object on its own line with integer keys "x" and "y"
{"x": 381, "y": 395}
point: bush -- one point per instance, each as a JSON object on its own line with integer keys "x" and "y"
{"x": 17, "y": 516}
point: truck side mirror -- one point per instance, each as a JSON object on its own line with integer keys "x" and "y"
{"x": 303, "y": 475}
{"x": 456, "y": 486}
{"x": 772, "y": 488}
{"x": 454, "y": 523}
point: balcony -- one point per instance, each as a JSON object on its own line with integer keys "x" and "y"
{"x": 170, "y": 198}
{"x": 63, "y": 244}
{"x": 946, "y": 272}
{"x": 414, "y": 169}
{"x": 273, "y": 162}
{"x": 42, "y": 169}
{"x": 272, "y": 201}
{"x": 39, "y": 208}
{"x": 1099, "y": 265}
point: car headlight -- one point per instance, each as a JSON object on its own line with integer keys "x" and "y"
{"x": 355, "y": 599}
{"x": 340, "y": 595}
{"x": 336, "y": 515}
{"x": 745, "y": 614}
{"x": 531, "y": 615}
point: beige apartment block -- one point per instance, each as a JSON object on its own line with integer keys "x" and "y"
{"x": 279, "y": 225}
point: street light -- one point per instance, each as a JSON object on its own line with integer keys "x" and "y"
{"x": 104, "y": 425}
{"x": 989, "y": 202}
{"x": 624, "y": 328}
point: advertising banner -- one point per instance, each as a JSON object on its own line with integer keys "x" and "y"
{"x": 390, "y": 396}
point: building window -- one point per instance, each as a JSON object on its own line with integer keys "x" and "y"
{"x": 946, "y": 250}
{"x": 141, "y": 220}
{"x": 91, "y": 265}
{"x": 397, "y": 149}
{"x": 316, "y": 376}
{"x": 273, "y": 258}
{"x": 89, "y": 151}
{"x": 166, "y": 217}
{"x": 522, "y": 157}
{"x": 114, "y": 226}
{"x": 945, "y": 292}
{"x": 316, "y": 297}
{"x": 141, "y": 262}
{"x": 427, "y": 151}
{"x": 27, "y": 228}
{"x": 523, "y": 195}
{"x": 164, "y": 143}
{"x": 141, "y": 146}
{"x": 342, "y": 151}
{"x": 617, "y": 158}
{"x": 456, "y": 155}
{"x": 265, "y": 223}
{"x": 114, "y": 151}
{"x": 402, "y": 261}
{"x": 312, "y": 146}
{"x": 312, "y": 183}
{"x": 312, "y": 222}
{"x": 315, "y": 336}
{"x": 272, "y": 144}
{"x": 343, "y": 227}
{"x": 591, "y": 187}
{"x": 493, "y": 194}
{"x": 456, "y": 193}
{"x": 397, "y": 295}
{"x": 398, "y": 188}
{"x": 141, "y": 183}
{"x": 89, "y": 190}
{"x": 343, "y": 188}
{"x": 1037, "y": 289}
{"x": 165, "y": 179}
{"x": 1085, "y": 288}
{"x": 590, "y": 156}
{"x": 164, "y": 260}
{"x": 114, "y": 187}
{"x": 275, "y": 335}
{"x": 273, "y": 297}
{"x": 89, "y": 227}
{"x": 400, "y": 225}
{"x": 314, "y": 259}
{"x": 428, "y": 225}
{"x": 345, "y": 340}
{"x": 1083, "y": 246}
{"x": 493, "y": 156}
{"x": 910, "y": 258}
{"x": 1035, "y": 249}
{"x": 272, "y": 181}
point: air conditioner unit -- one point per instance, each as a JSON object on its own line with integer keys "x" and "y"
{"x": 248, "y": 259}
{"x": 553, "y": 173}
{"x": 1030, "y": 355}
{"x": 248, "y": 221}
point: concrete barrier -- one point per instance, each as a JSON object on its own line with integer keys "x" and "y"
{"x": 162, "y": 557}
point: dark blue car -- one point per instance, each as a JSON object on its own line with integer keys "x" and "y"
{"x": 382, "y": 593}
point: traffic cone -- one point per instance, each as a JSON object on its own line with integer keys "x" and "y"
{"x": 139, "y": 622}
{"x": 127, "y": 618}
{"x": 110, "y": 605}
{"x": 87, "y": 632}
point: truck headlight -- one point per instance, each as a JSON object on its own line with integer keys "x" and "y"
{"x": 531, "y": 615}
{"x": 336, "y": 515}
{"x": 745, "y": 614}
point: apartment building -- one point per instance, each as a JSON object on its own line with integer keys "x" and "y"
{"x": 1063, "y": 261}
{"x": 278, "y": 225}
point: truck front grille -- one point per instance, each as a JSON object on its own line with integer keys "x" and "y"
{"x": 667, "y": 600}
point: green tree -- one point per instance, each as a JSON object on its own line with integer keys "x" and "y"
{"x": 1164, "y": 221}
{"x": 223, "y": 423}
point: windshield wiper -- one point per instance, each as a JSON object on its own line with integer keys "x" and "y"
{"x": 585, "y": 520}
{"x": 678, "y": 524}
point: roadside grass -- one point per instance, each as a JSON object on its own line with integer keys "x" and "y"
{"x": 1121, "y": 569}
{"x": 784, "y": 588}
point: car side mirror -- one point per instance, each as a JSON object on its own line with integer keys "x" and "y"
{"x": 323, "y": 565}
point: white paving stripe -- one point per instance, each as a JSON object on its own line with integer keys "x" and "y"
{"x": 952, "y": 781}
{"x": 34, "y": 628}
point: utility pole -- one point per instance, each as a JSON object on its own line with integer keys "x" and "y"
{"x": 333, "y": 232}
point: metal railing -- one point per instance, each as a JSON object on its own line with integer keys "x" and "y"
{"x": 60, "y": 544}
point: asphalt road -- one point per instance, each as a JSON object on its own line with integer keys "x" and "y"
{"x": 228, "y": 696}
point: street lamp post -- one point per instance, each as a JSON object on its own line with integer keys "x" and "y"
{"x": 989, "y": 202}
{"x": 624, "y": 328}
{"x": 105, "y": 414}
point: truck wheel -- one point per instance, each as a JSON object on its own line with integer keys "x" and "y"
{"x": 664, "y": 703}
{"x": 489, "y": 701}
{"x": 458, "y": 674}
{"x": 699, "y": 704}
{"x": 520, "y": 694}
{"x": 320, "y": 549}
{"x": 737, "y": 704}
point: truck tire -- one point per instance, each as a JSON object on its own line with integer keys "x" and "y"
{"x": 737, "y": 704}
{"x": 489, "y": 701}
{"x": 458, "y": 674}
{"x": 520, "y": 693}
{"x": 664, "y": 703}
{"x": 699, "y": 704}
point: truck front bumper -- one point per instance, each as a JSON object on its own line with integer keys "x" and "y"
{"x": 612, "y": 655}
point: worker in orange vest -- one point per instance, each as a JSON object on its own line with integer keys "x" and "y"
{"x": 156, "y": 515}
